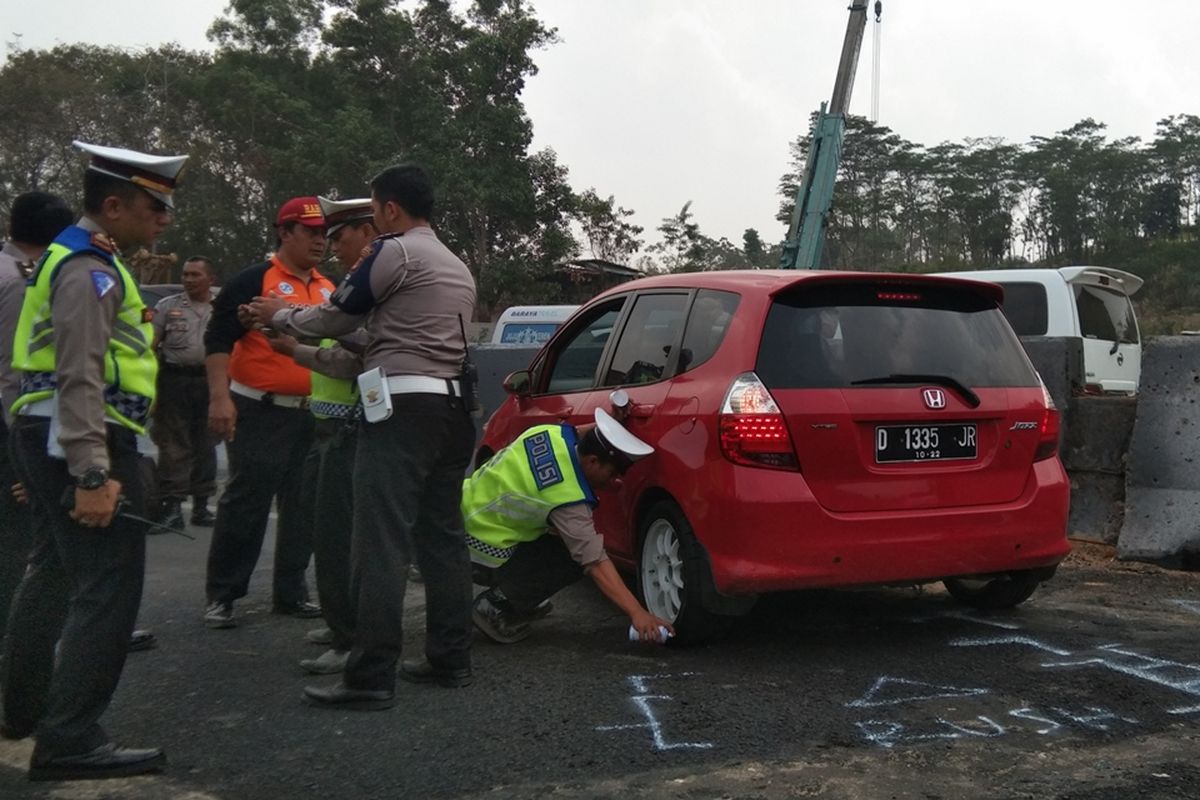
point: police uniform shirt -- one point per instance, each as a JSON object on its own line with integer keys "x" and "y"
{"x": 412, "y": 290}
{"x": 252, "y": 361}
{"x": 335, "y": 362}
{"x": 83, "y": 307}
{"x": 179, "y": 325}
{"x": 574, "y": 525}
{"x": 12, "y": 293}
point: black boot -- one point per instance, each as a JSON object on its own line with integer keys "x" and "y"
{"x": 201, "y": 516}
{"x": 172, "y": 517}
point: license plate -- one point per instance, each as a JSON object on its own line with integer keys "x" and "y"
{"x": 924, "y": 443}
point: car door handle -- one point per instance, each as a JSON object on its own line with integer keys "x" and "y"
{"x": 642, "y": 410}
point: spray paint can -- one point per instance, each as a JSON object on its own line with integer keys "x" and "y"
{"x": 663, "y": 635}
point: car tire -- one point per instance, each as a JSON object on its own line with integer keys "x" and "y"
{"x": 992, "y": 594}
{"x": 673, "y": 576}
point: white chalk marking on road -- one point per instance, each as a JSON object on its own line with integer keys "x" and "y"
{"x": 1175, "y": 675}
{"x": 916, "y": 691}
{"x": 1030, "y": 714}
{"x": 1096, "y": 719}
{"x": 998, "y": 640}
{"x": 1187, "y": 605}
{"x": 886, "y": 733}
{"x": 638, "y": 682}
{"x": 643, "y": 702}
{"x": 996, "y": 729}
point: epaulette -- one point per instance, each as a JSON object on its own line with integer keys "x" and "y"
{"x": 102, "y": 241}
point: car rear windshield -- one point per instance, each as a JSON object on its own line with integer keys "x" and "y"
{"x": 1105, "y": 314}
{"x": 845, "y": 335}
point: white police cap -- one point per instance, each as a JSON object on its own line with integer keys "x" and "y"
{"x": 342, "y": 212}
{"x": 617, "y": 440}
{"x": 156, "y": 175}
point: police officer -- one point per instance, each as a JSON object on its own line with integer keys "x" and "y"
{"x": 528, "y": 516}
{"x": 83, "y": 343}
{"x": 187, "y": 453}
{"x": 334, "y": 402}
{"x": 416, "y": 295}
{"x": 258, "y": 403}
{"x": 36, "y": 218}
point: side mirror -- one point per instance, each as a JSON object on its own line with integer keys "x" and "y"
{"x": 519, "y": 383}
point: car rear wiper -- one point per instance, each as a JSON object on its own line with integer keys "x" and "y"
{"x": 940, "y": 380}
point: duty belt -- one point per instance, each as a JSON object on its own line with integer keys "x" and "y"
{"x": 422, "y": 384}
{"x": 270, "y": 398}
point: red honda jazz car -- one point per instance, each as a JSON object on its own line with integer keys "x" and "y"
{"x": 812, "y": 429}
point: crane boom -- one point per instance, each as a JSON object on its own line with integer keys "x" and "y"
{"x": 806, "y": 234}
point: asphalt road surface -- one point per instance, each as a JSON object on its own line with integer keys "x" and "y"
{"x": 1089, "y": 690}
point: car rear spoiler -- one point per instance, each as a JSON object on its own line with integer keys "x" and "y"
{"x": 992, "y": 291}
{"x": 1127, "y": 282}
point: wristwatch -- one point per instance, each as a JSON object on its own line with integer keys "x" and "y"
{"x": 92, "y": 479}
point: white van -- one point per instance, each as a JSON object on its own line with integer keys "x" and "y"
{"x": 1089, "y": 302}
{"x": 530, "y": 325}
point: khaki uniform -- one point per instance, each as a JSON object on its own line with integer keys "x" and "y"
{"x": 187, "y": 454}
{"x": 408, "y": 470}
{"x": 15, "y": 521}
{"x": 102, "y": 570}
{"x": 14, "y": 267}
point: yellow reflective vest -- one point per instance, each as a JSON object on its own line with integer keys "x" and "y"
{"x": 130, "y": 366}
{"x": 509, "y": 499}
{"x": 332, "y": 398}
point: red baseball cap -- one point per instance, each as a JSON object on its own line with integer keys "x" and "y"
{"x": 305, "y": 210}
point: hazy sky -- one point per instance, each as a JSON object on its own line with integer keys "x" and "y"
{"x": 662, "y": 101}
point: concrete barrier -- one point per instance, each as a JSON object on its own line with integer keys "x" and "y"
{"x": 1094, "y": 451}
{"x": 1162, "y": 482}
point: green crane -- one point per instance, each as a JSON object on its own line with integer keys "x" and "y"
{"x": 806, "y": 234}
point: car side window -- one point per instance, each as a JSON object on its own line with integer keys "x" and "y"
{"x": 574, "y": 362}
{"x": 1026, "y": 308}
{"x": 647, "y": 340}
{"x": 711, "y": 313}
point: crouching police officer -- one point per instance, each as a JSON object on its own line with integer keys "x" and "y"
{"x": 544, "y": 483}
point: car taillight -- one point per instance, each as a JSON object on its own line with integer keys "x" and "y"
{"x": 752, "y": 430}
{"x": 1050, "y": 428}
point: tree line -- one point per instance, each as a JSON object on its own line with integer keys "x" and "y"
{"x": 316, "y": 96}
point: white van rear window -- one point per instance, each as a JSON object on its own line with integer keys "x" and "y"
{"x": 1105, "y": 314}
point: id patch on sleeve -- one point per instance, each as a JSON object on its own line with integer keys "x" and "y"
{"x": 540, "y": 451}
{"x": 102, "y": 282}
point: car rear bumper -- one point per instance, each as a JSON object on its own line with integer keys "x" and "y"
{"x": 764, "y": 532}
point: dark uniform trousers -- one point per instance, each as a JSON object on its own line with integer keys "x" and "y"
{"x": 266, "y": 461}
{"x": 15, "y": 528}
{"x": 329, "y": 469}
{"x": 187, "y": 452}
{"x": 82, "y": 591}
{"x": 535, "y": 572}
{"x": 408, "y": 474}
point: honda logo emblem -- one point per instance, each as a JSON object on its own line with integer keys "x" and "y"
{"x": 934, "y": 398}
